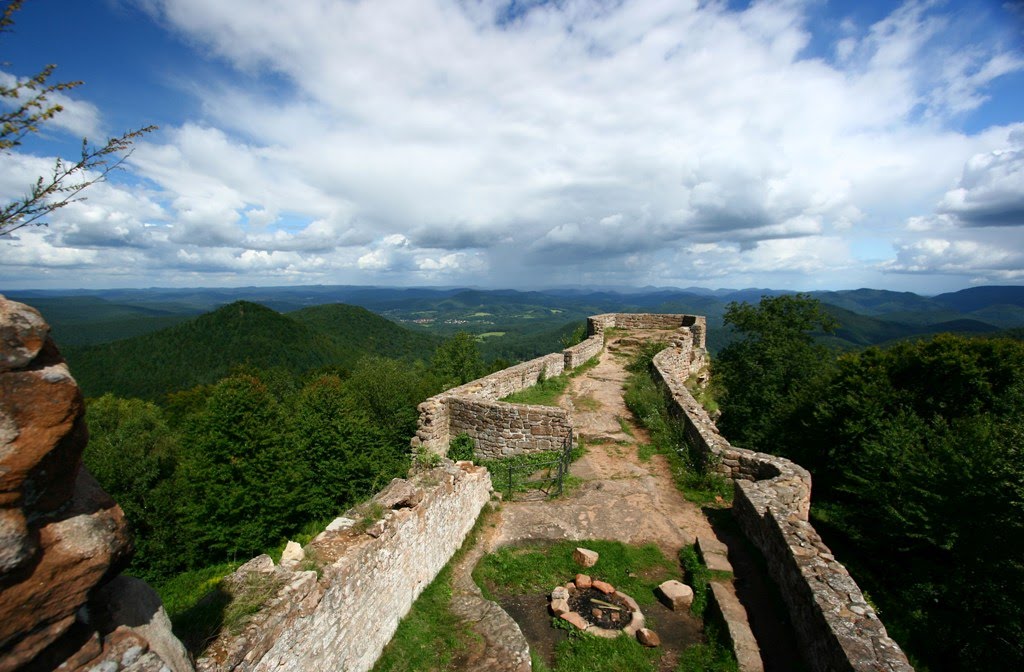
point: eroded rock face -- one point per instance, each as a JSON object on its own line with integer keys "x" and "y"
{"x": 61, "y": 535}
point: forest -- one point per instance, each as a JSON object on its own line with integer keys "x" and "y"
{"x": 917, "y": 457}
{"x": 224, "y": 435}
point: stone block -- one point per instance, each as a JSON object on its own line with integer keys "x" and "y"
{"x": 584, "y": 557}
{"x": 675, "y": 595}
{"x": 575, "y": 619}
{"x": 583, "y": 581}
{"x": 603, "y": 586}
{"x": 559, "y": 607}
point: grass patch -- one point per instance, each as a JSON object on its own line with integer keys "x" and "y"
{"x": 710, "y": 657}
{"x": 691, "y": 469}
{"x": 519, "y": 473}
{"x": 626, "y": 429}
{"x": 200, "y": 606}
{"x": 545, "y": 393}
{"x": 587, "y": 653}
{"x": 586, "y": 403}
{"x": 704, "y": 394}
{"x": 533, "y": 568}
{"x": 537, "y": 567}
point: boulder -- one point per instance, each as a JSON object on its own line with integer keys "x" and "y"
{"x": 675, "y": 595}
{"x": 584, "y": 557}
{"x": 23, "y": 333}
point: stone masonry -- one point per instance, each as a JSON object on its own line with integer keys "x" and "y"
{"x": 369, "y": 579}
{"x": 836, "y": 627}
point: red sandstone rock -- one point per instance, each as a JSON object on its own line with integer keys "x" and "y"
{"x": 575, "y": 619}
{"x": 77, "y": 550}
{"x": 60, "y": 534}
{"x": 559, "y": 607}
{"x": 22, "y": 334}
{"x": 604, "y": 587}
{"x": 583, "y": 581}
{"x": 648, "y": 637}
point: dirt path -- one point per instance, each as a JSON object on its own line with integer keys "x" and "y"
{"x": 617, "y": 496}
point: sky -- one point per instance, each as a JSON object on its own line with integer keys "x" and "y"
{"x": 791, "y": 144}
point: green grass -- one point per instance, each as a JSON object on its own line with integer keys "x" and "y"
{"x": 710, "y": 657}
{"x": 532, "y": 568}
{"x": 626, "y": 429}
{"x": 587, "y": 653}
{"x": 524, "y": 470}
{"x": 690, "y": 468}
{"x": 430, "y": 636}
{"x": 545, "y": 393}
{"x": 182, "y": 592}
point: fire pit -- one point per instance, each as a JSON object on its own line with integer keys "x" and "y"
{"x": 597, "y": 608}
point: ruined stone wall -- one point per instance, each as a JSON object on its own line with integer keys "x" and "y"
{"x": 836, "y": 627}
{"x": 500, "y": 429}
{"x": 440, "y": 414}
{"x": 369, "y": 579}
{"x": 697, "y": 323}
{"x": 582, "y": 352}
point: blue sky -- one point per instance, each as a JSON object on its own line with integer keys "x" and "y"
{"x": 784, "y": 144}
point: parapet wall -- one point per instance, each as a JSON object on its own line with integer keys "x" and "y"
{"x": 697, "y": 323}
{"x": 837, "y": 628}
{"x": 370, "y": 579}
{"x": 500, "y": 429}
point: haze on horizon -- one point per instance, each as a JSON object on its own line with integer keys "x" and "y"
{"x": 792, "y": 144}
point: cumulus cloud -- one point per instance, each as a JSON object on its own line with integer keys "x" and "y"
{"x": 976, "y": 259}
{"x": 990, "y": 191}
{"x": 413, "y": 138}
{"x": 78, "y": 117}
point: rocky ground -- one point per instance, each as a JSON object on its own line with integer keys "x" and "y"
{"x": 618, "y": 497}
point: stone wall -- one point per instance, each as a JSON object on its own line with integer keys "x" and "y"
{"x": 440, "y": 414}
{"x": 500, "y": 429}
{"x": 835, "y": 626}
{"x": 583, "y": 351}
{"x": 697, "y": 323}
{"x": 369, "y": 579}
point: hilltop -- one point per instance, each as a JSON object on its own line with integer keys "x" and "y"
{"x": 206, "y": 348}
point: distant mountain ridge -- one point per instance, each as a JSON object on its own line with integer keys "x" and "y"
{"x": 206, "y": 348}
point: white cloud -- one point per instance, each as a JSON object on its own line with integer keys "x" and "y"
{"x": 990, "y": 191}
{"x": 414, "y": 137}
{"x": 78, "y": 117}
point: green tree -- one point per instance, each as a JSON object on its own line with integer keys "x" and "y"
{"x": 767, "y": 369}
{"x": 239, "y": 482}
{"x": 457, "y": 361}
{"x": 388, "y": 392}
{"x": 916, "y": 452}
{"x": 133, "y": 454}
{"x": 345, "y": 457}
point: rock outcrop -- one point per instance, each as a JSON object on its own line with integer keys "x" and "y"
{"x": 62, "y": 538}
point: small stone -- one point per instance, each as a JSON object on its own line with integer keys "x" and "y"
{"x": 575, "y": 619}
{"x": 571, "y": 587}
{"x": 676, "y": 595}
{"x": 584, "y": 557}
{"x": 292, "y": 555}
{"x": 560, "y": 593}
{"x": 559, "y": 607}
{"x": 614, "y": 616}
{"x": 604, "y": 587}
{"x": 596, "y": 613}
{"x": 648, "y": 637}
{"x": 583, "y": 581}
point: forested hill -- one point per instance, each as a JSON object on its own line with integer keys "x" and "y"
{"x": 207, "y": 348}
